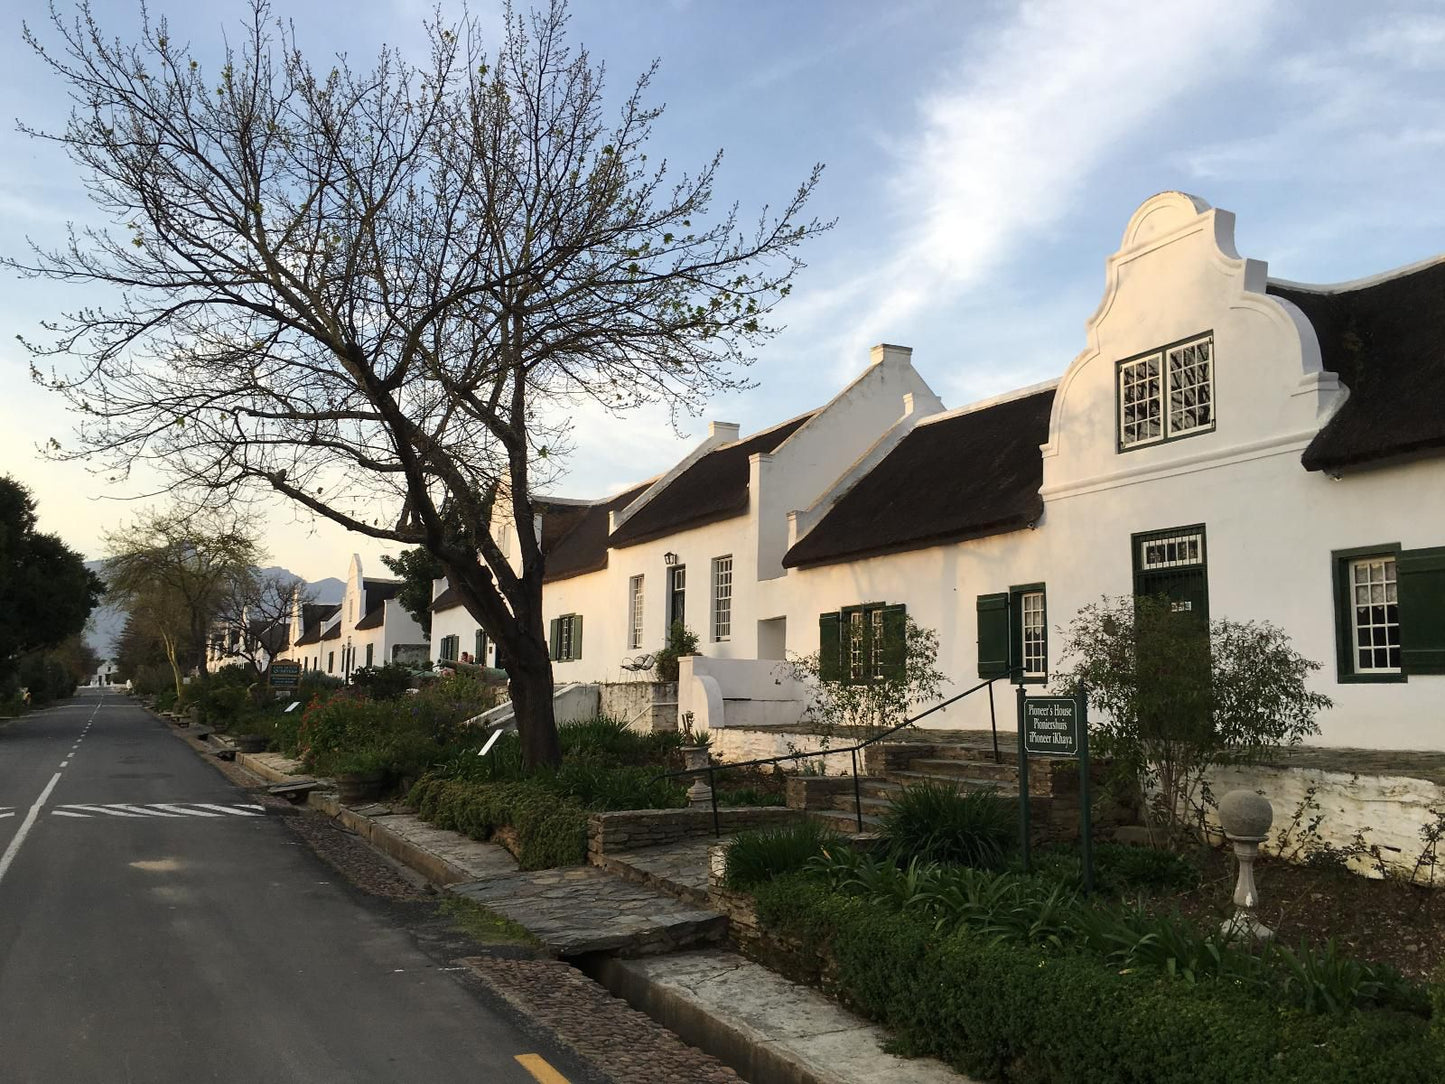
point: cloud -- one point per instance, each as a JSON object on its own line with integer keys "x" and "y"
{"x": 1002, "y": 148}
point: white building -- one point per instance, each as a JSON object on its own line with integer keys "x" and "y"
{"x": 1255, "y": 449}
{"x": 368, "y": 628}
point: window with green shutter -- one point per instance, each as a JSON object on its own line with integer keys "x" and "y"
{"x": 1422, "y": 610}
{"x": 993, "y": 635}
{"x": 564, "y": 638}
{"x": 863, "y": 644}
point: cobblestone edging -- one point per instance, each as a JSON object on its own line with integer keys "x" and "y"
{"x": 609, "y": 833}
{"x": 627, "y": 1045}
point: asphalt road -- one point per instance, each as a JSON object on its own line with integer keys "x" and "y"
{"x": 154, "y": 928}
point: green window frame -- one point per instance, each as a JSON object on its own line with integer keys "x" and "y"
{"x": 370, "y": 648}
{"x": 1013, "y": 631}
{"x": 860, "y": 645}
{"x": 564, "y": 638}
{"x": 1393, "y": 598}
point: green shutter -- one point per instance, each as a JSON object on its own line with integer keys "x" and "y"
{"x": 480, "y": 648}
{"x": 830, "y": 647}
{"x": 1421, "y": 575}
{"x": 993, "y": 635}
{"x": 554, "y": 638}
{"x": 577, "y": 636}
{"x": 895, "y": 641}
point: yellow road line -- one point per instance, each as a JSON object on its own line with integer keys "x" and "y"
{"x": 538, "y": 1067}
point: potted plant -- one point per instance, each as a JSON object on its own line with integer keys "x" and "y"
{"x": 360, "y": 774}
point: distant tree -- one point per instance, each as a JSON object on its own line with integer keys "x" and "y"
{"x": 383, "y": 293}
{"x": 254, "y": 615}
{"x": 417, "y": 568}
{"x": 173, "y": 571}
{"x": 1175, "y": 698}
{"x": 46, "y": 592}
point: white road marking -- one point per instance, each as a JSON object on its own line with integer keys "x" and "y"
{"x": 235, "y": 812}
{"x": 145, "y": 810}
{"x": 8, "y": 813}
{"x": 66, "y": 813}
{"x": 98, "y": 809}
{"x": 173, "y": 810}
{"x": 65, "y": 763}
{"x": 25, "y": 826}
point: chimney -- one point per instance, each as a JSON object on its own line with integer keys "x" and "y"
{"x": 887, "y": 353}
{"x": 725, "y": 432}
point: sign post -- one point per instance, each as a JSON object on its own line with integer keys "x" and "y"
{"x": 1056, "y": 726}
{"x": 285, "y": 675}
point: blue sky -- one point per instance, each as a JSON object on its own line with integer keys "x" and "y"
{"x": 982, "y": 160}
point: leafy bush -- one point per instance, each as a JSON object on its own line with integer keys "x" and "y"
{"x": 382, "y": 682}
{"x": 612, "y": 741}
{"x": 1032, "y": 1014}
{"x": 1121, "y": 869}
{"x": 766, "y": 853}
{"x": 549, "y": 831}
{"x": 681, "y": 641}
{"x": 597, "y": 787}
{"x": 934, "y": 822}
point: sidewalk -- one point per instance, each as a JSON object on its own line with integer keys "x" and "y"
{"x": 641, "y": 927}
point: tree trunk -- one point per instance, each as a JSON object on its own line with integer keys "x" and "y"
{"x": 529, "y": 674}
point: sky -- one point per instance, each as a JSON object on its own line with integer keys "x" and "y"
{"x": 982, "y": 159}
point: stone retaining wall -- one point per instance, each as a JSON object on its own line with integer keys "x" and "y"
{"x": 631, "y": 830}
{"x": 648, "y": 706}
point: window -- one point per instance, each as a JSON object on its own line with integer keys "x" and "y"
{"x": 635, "y": 612}
{"x": 331, "y": 662}
{"x": 1167, "y": 393}
{"x": 368, "y": 654}
{"x": 480, "y": 646}
{"x": 450, "y": 648}
{"x": 565, "y": 637}
{"x": 1389, "y": 613}
{"x": 1013, "y": 634}
{"x": 862, "y": 644}
{"x": 676, "y": 596}
{"x": 722, "y": 597}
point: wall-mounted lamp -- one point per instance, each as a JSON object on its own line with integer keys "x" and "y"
{"x": 669, "y": 558}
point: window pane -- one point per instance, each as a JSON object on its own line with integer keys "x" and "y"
{"x": 1375, "y": 615}
{"x": 722, "y": 597}
{"x": 1191, "y": 380}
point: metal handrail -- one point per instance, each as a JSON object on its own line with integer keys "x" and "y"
{"x": 713, "y": 769}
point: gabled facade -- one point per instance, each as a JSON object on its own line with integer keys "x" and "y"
{"x": 366, "y": 628}
{"x": 1252, "y": 448}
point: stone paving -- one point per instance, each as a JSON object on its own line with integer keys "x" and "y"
{"x": 680, "y": 869}
{"x": 625, "y": 1044}
{"x": 582, "y": 909}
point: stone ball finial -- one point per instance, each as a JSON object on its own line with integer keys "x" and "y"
{"x": 1243, "y": 814}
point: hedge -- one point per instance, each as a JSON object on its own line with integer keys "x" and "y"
{"x": 1029, "y": 1016}
{"x": 550, "y": 831}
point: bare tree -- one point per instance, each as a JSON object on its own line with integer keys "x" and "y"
{"x": 174, "y": 570}
{"x": 377, "y": 292}
{"x": 254, "y": 615}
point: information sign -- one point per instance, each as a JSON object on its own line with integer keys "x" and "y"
{"x": 1051, "y": 726}
{"x": 285, "y": 675}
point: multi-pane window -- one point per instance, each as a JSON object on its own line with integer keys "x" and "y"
{"x": 722, "y": 597}
{"x": 566, "y": 637}
{"x": 875, "y": 644}
{"x": 481, "y": 647}
{"x": 331, "y": 662}
{"x": 369, "y": 649}
{"x": 1034, "y": 634}
{"x": 676, "y": 596}
{"x": 856, "y": 641}
{"x": 1167, "y": 394}
{"x": 450, "y": 646}
{"x": 1375, "y": 613}
{"x": 863, "y": 644}
{"x": 635, "y": 612}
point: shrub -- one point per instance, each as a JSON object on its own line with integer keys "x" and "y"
{"x": 766, "y": 853}
{"x": 934, "y": 822}
{"x": 612, "y": 741}
{"x": 1121, "y": 869}
{"x": 681, "y": 641}
{"x": 550, "y": 831}
{"x": 599, "y": 788}
{"x": 1027, "y": 1014}
{"x": 382, "y": 682}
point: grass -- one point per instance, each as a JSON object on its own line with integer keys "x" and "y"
{"x": 484, "y": 925}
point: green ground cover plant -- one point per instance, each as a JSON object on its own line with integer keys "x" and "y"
{"x": 764, "y": 854}
{"x": 934, "y": 822}
{"x": 1039, "y": 1013}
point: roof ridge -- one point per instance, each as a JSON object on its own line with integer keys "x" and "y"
{"x": 992, "y": 401}
{"x": 1351, "y": 285}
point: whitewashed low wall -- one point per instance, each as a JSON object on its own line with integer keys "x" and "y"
{"x": 648, "y": 706}
{"x": 1388, "y": 809}
{"x": 739, "y": 692}
{"x": 571, "y": 703}
{"x": 733, "y": 744}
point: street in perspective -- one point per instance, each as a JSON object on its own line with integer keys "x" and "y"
{"x": 630, "y": 543}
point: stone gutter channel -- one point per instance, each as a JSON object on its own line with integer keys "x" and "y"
{"x": 643, "y": 920}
